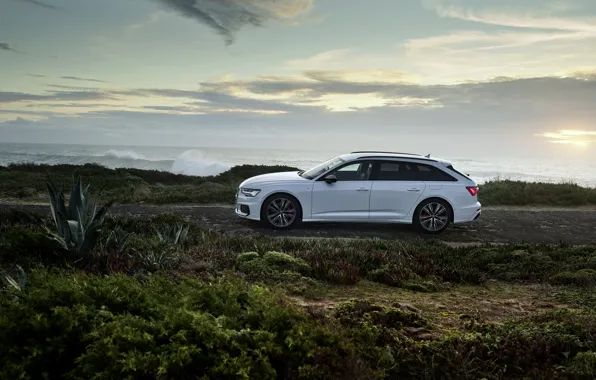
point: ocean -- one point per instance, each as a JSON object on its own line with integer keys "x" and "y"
{"x": 204, "y": 161}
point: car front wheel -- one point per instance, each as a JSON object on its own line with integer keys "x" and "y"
{"x": 281, "y": 211}
{"x": 432, "y": 216}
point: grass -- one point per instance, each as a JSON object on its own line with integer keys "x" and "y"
{"x": 25, "y": 182}
{"x": 220, "y": 306}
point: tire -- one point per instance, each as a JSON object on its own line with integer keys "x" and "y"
{"x": 432, "y": 216}
{"x": 274, "y": 216}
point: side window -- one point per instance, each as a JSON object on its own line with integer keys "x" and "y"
{"x": 430, "y": 173}
{"x": 394, "y": 171}
{"x": 358, "y": 171}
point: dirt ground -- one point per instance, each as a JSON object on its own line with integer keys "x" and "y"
{"x": 496, "y": 225}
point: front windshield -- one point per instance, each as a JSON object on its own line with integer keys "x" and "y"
{"x": 322, "y": 168}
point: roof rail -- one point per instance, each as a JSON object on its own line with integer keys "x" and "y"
{"x": 378, "y": 151}
{"x": 421, "y": 158}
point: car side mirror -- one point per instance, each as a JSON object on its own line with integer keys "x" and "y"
{"x": 331, "y": 178}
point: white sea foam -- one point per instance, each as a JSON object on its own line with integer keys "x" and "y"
{"x": 123, "y": 154}
{"x": 194, "y": 162}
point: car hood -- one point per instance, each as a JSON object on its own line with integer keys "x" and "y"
{"x": 265, "y": 179}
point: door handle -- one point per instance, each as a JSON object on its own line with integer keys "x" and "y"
{"x": 413, "y": 189}
{"x": 362, "y": 189}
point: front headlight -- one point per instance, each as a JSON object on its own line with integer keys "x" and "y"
{"x": 250, "y": 192}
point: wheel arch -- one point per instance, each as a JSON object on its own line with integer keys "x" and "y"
{"x": 434, "y": 197}
{"x": 281, "y": 192}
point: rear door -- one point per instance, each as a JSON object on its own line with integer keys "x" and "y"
{"x": 395, "y": 190}
{"x": 346, "y": 199}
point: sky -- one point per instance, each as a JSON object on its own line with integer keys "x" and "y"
{"x": 478, "y": 76}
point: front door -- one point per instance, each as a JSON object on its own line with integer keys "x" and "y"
{"x": 346, "y": 199}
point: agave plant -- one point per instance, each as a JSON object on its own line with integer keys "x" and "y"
{"x": 77, "y": 229}
{"x": 18, "y": 283}
{"x": 173, "y": 235}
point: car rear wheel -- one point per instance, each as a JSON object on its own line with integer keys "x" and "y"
{"x": 432, "y": 216}
{"x": 281, "y": 211}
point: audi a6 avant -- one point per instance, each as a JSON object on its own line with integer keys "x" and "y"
{"x": 380, "y": 187}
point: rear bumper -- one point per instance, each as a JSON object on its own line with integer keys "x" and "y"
{"x": 468, "y": 214}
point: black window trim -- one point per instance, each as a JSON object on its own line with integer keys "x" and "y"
{"x": 347, "y": 163}
{"x": 376, "y": 168}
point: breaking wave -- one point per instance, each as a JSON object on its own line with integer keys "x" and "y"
{"x": 194, "y": 162}
{"x": 190, "y": 162}
{"x": 123, "y": 154}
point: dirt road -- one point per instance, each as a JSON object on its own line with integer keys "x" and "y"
{"x": 497, "y": 225}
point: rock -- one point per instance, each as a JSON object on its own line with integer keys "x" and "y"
{"x": 415, "y": 330}
{"x": 407, "y": 307}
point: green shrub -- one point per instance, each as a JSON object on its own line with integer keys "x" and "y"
{"x": 391, "y": 275}
{"x": 20, "y": 244}
{"x": 283, "y": 261}
{"x": 583, "y": 365}
{"x": 247, "y": 256}
{"x": 519, "y": 193}
{"x": 582, "y": 277}
{"x": 10, "y": 217}
{"x": 396, "y": 317}
{"x": 82, "y": 326}
{"x": 272, "y": 267}
{"x": 423, "y": 287}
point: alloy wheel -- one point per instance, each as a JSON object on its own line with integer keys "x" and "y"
{"x": 281, "y": 212}
{"x": 434, "y": 217}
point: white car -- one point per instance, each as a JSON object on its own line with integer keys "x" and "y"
{"x": 380, "y": 187}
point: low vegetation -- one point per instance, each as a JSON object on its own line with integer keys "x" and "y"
{"x": 25, "y": 182}
{"x": 161, "y": 298}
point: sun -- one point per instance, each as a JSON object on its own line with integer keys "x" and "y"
{"x": 579, "y": 138}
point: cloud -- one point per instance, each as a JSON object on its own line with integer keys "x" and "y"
{"x": 16, "y": 97}
{"x": 516, "y": 20}
{"x": 29, "y": 112}
{"x": 37, "y": 3}
{"x": 169, "y": 108}
{"x": 341, "y": 103}
{"x": 529, "y": 38}
{"x": 84, "y": 79}
{"x": 584, "y": 74}
{"x": 7, "y": 47}
{"x": 78, "y": 88}
{"x": 476, "y": 40}
{"x": 37, "y": 75}
{"x": 229, "y": 16}
{"x": 153, "y": 18}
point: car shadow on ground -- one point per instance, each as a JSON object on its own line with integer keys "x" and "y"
{"x": 352, "y": 230}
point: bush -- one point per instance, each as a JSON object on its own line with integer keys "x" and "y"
{"x": 582, "y": 277}
{"x": 519, "y": 193}
{"x": 21, "y": 245}
{"x": 391, "y": 275}
{"x": 82, "y": 326}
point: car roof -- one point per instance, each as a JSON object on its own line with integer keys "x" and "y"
{"x": 392, "y": 155}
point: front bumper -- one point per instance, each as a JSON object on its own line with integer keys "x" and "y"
{"x": 248, "y": 207}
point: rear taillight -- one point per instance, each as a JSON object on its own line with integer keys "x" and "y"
{"x": 473, "y": 190}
